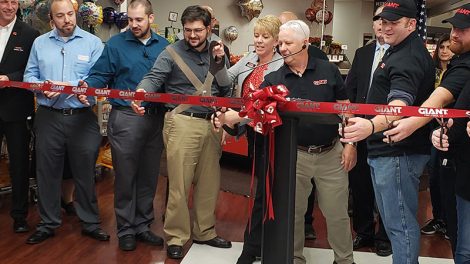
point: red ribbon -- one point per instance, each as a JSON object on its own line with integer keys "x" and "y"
{"x": 298, "y": 106}
{"x": 261, "y": 107}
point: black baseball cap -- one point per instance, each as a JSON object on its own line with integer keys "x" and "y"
{"x": 461, "y": 19}
{"x": 396, "y": 9}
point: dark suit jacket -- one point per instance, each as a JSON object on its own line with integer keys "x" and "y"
{"x": 16, "y": 104}
{"x": 358, "y": 79}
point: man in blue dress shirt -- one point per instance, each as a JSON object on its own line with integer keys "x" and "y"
{"x": 63, "y": 124}
{"x": 136, "y": 141}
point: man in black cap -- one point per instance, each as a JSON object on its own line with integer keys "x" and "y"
{"x": 453, "y": 81}
{"x": 404, "y": 77}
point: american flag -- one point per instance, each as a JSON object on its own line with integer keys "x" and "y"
{"x": 421, "y": 25}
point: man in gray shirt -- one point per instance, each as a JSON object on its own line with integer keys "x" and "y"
{"x": 192, "y": 146}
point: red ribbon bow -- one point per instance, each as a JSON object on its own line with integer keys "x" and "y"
{"x": 261, "y": 107}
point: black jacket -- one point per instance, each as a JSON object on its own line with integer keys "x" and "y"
{"x": 357, "y": 82}
{"x": 16, "y": 104}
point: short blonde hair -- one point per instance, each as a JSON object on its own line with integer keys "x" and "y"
{"x": 269, "y": 24}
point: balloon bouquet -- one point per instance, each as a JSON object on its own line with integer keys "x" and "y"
{"x": 316, "y": 14}
{"x": 250, "y": 8}
{"x": 91, "y": 14}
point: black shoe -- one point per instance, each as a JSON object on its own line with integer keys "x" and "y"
{"x": 246, "y": 258}
{"x": 383, "y": 248}
{"x": 38, "y": 237}
{"x": 215, "y": 242}
{"x": 20, "y": 226}
{"x": 360, "y": 242}
{"x": 127, "y": 242}
{"x": 433, "y": 226}
{"x": 310, "y": 233}
{"x": 174, "y": 251}
{"x": 150, "y": 238}
{"x": 98, "y": 234}
{"x": 68, "y": 207}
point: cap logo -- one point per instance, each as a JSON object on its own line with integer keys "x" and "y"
{"x": 392, "y": 5}
{"x": 463, "y": 11}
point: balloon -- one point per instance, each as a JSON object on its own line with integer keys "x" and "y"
{"x": 319, "y": 17}
{"x": 109, "y": 15}
{"x": 250, "y": 8}
{"x": 121, "y": 20}
{"x": 91, "y": 14}
{"x": 75, "y": 5}
{"x": 42, "y": 11}
{"x": 310, "y": 14}
{"x": 25, "y": 4}
{"x": 118, "y": 2}
{"x": 231, "y": 33}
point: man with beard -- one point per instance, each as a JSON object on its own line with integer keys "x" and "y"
{"x": 16, "y": 39}
{"x": 453, "y": 81}
{"x": 405, "y": 77}
{"x": 63, "y": 124}
{"x": 136, "y": 141}
{"x": 193, "y": 148}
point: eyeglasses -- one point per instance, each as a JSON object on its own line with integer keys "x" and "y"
{"x": 196, "y": 31}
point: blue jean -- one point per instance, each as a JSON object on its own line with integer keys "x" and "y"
{"x": 462, "y": 253}
{"x": 396, "y": 183}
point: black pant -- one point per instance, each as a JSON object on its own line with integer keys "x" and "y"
{"x": 18, "y": 138}
{"x": 360, "y": 183}
{"x": 77, "y": 135}
{"x": 253, "y": 235}
{"x": 447, "y": 175}
{"x": 434, "y": 165}
{"x": 136, "y": 146}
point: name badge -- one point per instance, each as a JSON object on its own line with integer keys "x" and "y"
{"x": 84, "y": 58}
{"x": 18, "y": 49}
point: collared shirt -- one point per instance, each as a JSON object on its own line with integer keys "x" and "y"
{"x": 166, "y": 76}
{"x": 377, "y": 52}
{"x": 5, "y": 33}
{"x": 321, "y": 82}
{"x": 406, "y": 73}
{"x": 54, "y": 59}
{"x": 124, "y": 62}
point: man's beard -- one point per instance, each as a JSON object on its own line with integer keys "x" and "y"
{"x": 197, "y": 46}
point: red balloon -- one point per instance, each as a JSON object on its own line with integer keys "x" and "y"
{"x": 310, "y": 14}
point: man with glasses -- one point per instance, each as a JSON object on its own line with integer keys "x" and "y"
{"x": 193, "y": 148}
{"x": 136, "y": 141}
{"x": 16, "y": 39}
{"x": 63, "y": 124}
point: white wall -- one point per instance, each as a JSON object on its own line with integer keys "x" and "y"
{"x": 351, "y": 20}
{"x": 228, "y": 13}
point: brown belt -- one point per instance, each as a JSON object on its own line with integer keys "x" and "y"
{"x": 313, "y": 149}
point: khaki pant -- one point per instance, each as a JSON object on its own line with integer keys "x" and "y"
{"x": 193, "y": 151}
{"x": 332, "y": 189}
